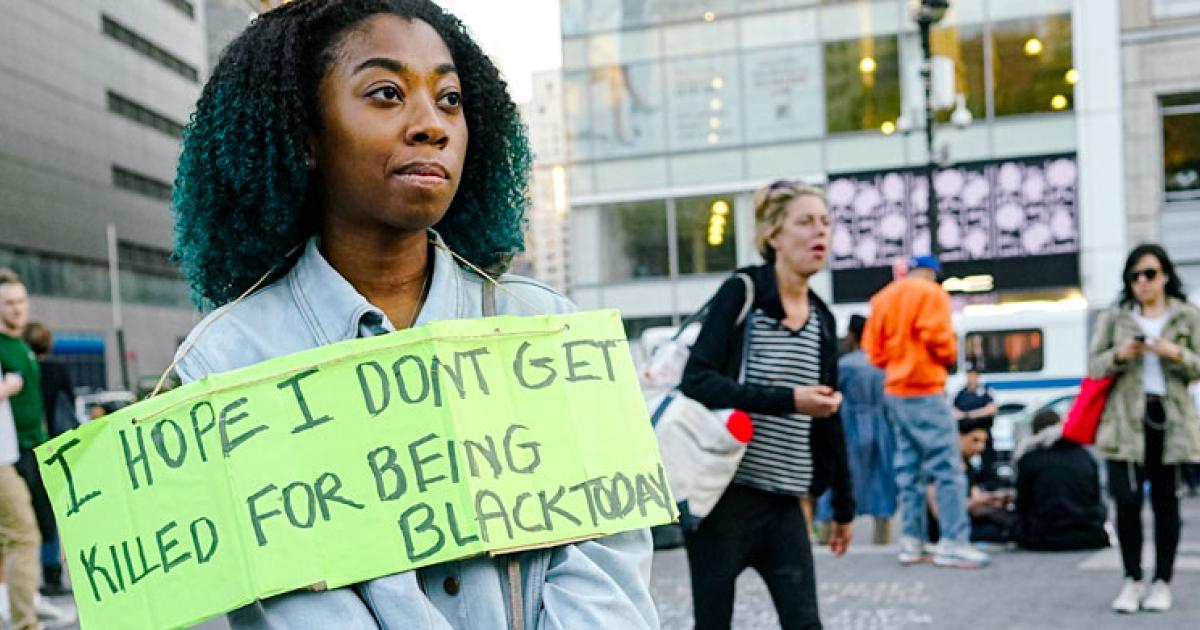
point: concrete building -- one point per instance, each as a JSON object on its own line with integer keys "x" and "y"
{"x": 1159, "y": 40}
{"x": 93, "y": 97}
{"x": 676, "y": 111}
{"x": 545, "y": 256}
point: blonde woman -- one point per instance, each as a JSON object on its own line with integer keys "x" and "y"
{"x": 780, "y": 366}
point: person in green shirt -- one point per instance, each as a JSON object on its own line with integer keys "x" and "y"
{"x": 30, "y": 419}
{"x": 16, "y": 357}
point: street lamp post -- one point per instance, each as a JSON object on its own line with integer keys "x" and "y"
{"x": 926, "y": 14}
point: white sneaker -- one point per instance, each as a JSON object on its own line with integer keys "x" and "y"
{"x": 959, "y": 555}
{"x": 912, "y": 551}
{"x": 1130, "y": 598}
{"x": 52, "y": 615}
{"x": 1158, "y": 597}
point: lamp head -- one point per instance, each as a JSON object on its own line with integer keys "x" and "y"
{"x": 930, "y": 12}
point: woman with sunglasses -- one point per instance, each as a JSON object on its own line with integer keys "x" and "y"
{"x": 1150, "y": 340}
{"x": 779, "y": 364}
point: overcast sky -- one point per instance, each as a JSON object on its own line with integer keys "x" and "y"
{"x": 521, "y": 36}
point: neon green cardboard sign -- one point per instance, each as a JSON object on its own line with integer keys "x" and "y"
{"x": 356, "y": 460}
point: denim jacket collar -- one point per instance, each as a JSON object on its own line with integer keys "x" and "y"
{"x": 336, "y": 311}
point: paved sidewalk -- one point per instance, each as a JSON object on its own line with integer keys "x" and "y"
{"x": 868, "y": 590}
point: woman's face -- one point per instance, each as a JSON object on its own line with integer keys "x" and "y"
{"x": 972, "y": 442}
{"x": 393, "y": 139}
{"x": 802, "y": 241}
{"x": 1144, "y": 289}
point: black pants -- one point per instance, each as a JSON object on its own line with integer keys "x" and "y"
{"x": 1125, "y": 481}
{"x": 761, "y": 530}
{"x": 28, "y": 469}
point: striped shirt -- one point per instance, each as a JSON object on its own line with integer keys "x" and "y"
{"x": 779, "y": 458}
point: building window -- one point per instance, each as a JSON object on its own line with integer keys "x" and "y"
{"x": 705, "y": 235}
{"x": 1181, "y": 146}
{"x": 1167, "y": 9}
{"x": 126, "y": 179}
{"x": 1034, "y": 54}
{"x": 862, "y": 83}
{"x": 122, "y": 106}
{"x": 118, "y": 32}
{"x": 1000, "y": 351}
{"x": 147, "y": 260}
{"x": 963, "y": 44}
{"x": 636, "y": 240}
{"x": 59, "y": 276}
{"x": 183, "y": 6}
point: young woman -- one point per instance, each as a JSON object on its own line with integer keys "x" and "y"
{"x": 786, "y": 348}
{"x": 332, "y": 137}
{"x": 1150, "y": 341}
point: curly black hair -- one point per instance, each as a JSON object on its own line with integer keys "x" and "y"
{"x": 243, "y": 196}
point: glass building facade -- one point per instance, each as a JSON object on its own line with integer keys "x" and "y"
{"x": 676, "y": 110}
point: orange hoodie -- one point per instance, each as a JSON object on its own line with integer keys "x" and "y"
{"x": 909, "y": 335}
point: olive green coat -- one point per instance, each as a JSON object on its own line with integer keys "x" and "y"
{"x": 1120, "y": 435}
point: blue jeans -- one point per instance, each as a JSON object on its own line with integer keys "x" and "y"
{"x": 927, "y": 451}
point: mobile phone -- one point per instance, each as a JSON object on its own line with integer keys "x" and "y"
{"x": 1139, "y": 338}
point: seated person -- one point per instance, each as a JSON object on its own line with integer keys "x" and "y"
{"x": 992, "y": 518}
{"x": 1058, "y": 491}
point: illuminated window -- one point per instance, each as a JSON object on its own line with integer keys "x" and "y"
{"x": 1181, "y": 146}
{"x": 705, "y": 235}
{"x": 1000, "y": 351}
{"x": 1031, "y": 61}
{"x": 862, "y": 83}
{"x": 964, "y": 45}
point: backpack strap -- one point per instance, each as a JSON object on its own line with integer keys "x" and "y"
{"x": 749, "y": 298}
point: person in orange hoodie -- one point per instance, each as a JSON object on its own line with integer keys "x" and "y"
{"x": 909, "y": 335}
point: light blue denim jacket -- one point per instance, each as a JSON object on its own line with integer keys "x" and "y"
{"x": 596, "y": 584}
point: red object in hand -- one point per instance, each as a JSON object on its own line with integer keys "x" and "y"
{"x": 740, "y": 426}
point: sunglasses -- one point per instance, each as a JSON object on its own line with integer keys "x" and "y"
{"x": 1148, "y": 274}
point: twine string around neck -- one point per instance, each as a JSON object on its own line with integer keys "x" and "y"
{"x": 262, "y": 279}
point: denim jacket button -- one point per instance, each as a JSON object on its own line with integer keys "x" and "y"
{"x": 451, "y": 586}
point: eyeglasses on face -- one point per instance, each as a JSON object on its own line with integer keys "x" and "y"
{"x": 1148, "y": 274}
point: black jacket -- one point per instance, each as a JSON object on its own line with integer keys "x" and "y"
{"x": 710, "y": 378}
{"x": 1058, "y": 495}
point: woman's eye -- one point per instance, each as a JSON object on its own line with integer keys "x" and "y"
{"x": 385, "y": 93}
{"x": 452, "y": 99}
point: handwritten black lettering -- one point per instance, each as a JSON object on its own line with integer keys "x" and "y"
{"x": 310, "y": 504}
{"x": 60, "y": 457}
{"x": 293, "y": 383}
{"x": 401, "y": 383}
{"x": 426, "y": 525}
{"x": 92, "y": 569}
{"x": 164, "y": 547}
{"x": 521, "y": 498}
{"x": 459, "y": 539}
{"x": 419, "y": 462}
{"x": 387, "y": 467}
{"x": 131, "y": 460}
{"x": 227, "y": 420}
{"x": 327, "y": 487}
{"x": 200, "y": 432}
{"x": 535, "y": 455}
{"x": 256, "y": 518}
{"x": 203, "y": 556}
{"x": 541, "y": 362}
{"x": 551, "y": 505}
{"x": 573, "y": 364}
{"x": 160, "y": 443}
{"x": 385, "y": 391}
{"x": 487, "y": 451}
{"x": 482, "y": 516}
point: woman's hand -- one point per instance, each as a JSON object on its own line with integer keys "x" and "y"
{"x": 1129, "y": 350}
{"x": 839, "y": 537}
{"x": 1165, "y": 349}
{"x": 816, "y": 401}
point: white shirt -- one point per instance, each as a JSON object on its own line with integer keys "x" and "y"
{"x": 9, "y": 454}
{"x": 1154, "y": 381}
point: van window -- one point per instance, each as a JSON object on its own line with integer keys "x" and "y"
{"x": 998, "y": 351}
